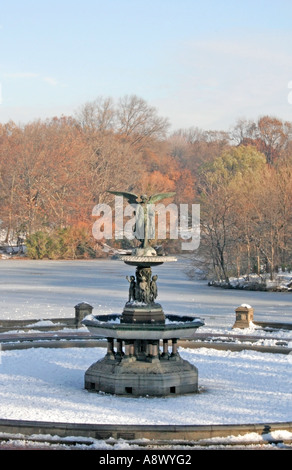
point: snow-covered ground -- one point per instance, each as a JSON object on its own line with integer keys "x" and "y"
{"x": 236, "y": 387}
{"x": 282, "y": 282}
{"x": 47, "y": 384}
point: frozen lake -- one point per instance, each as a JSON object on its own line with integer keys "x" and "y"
{"x": 45, "y": 289}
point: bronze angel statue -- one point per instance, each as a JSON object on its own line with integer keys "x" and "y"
{"x": 145, "y": 225}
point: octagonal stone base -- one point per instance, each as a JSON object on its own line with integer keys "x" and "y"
{"x": 173, "y": 376}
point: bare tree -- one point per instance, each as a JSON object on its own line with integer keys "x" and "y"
{"x": 98, "y": 114}
{"x": 139, "y": 122}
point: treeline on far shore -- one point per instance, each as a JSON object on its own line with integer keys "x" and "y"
{"x": 54, "y": 171}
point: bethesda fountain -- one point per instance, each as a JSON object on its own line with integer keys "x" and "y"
{"x": 142, "y": 356}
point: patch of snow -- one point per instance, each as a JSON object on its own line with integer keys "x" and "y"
{"x": 43, "y": 323}
{"x": 235, "y": 387}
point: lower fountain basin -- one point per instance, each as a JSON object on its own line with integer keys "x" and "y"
{"x": 184, "y": 328}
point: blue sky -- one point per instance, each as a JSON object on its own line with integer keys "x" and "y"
{"x": 200, "y": 63}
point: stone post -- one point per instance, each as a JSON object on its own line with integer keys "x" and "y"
{"x": 81, "y": 311}
{"x": 244, "y": 316}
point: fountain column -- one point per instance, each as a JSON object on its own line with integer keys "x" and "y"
{"x": 174, "y": 352}
{"x": 165, "y": 354}
{"x": 110, "y": 348}
{"x": 119, "y": 348}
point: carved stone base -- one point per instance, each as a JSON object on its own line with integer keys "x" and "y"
{"x": 138, "y": 378}
{"x": 139, "y": 313}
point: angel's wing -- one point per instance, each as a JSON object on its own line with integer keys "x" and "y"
{"x": 131, "y": 198}
{"x": 158, "y": 197}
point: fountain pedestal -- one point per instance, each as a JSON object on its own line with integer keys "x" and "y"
{"x": 142, "y": 357}
{"x": 134, "y": 376}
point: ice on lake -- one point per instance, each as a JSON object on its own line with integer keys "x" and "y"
{"x": 46, "y": 289}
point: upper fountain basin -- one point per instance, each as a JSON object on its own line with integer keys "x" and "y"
{"x": 181, "y": 328}
{"x": 146, "y": 260}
